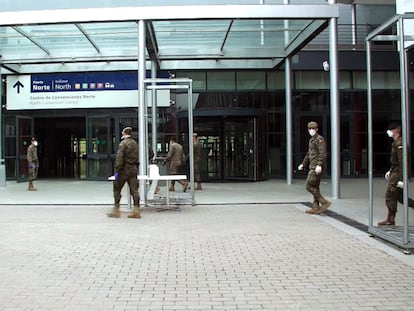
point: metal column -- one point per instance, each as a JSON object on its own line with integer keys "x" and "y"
{"x": 289, "y": 131}
{"x": 142, "y": 170}
{"x": 335, "y": 113}
{"x": 370, "y": 135}
{"x": 2, "y": 164}
{"x": 404, "y": 116}
{"x": 154, "y": 109}
{"x": 190, "y": 137}
{"x": 288, "y": 102}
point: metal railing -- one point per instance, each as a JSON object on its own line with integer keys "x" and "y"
{"x": 350, "y": 37}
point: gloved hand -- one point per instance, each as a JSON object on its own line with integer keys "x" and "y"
{"x": 400, "y": 184}
{"x": 116, "y": 175}
{"x": 300, "y": 167}
{"x": 31, "y": 165}
{"x": 318, "y": 169}
{"x": 387, "y": 175}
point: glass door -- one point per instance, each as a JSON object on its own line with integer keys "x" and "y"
{"x": 240, "y": 149}
{"x": 23, "y": 140}
{"x": 100, "y": 147}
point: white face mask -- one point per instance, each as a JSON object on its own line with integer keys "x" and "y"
{"x": 312, "y": 132}
{"x": 35, "y": 143}
{"x": 390, "y": 133}
{"x": 125, "y": 136}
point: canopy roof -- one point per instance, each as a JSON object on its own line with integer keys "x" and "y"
{"x": 198, "y": 37}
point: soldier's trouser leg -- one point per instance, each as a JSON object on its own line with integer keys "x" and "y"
{"x": 197, "y": 179}
{"x": 172, "y": 185}
{"x": 133, "y": 189}
{"x": 312, "y": 185}
{"x": 117, "y": 187}
{"x": 31, "y": 187}
{"x": 401, "y": 199}
{"x": 32, "y": 173}
{"x": 391, "y": 199}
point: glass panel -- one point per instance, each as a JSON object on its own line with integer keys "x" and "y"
{"x": 10, "y": 146}
{"x": 344, "y": 80}
{"x": 24, "y": 132}
{"x": 199, "y": 79}
{"x": 176, "y": 34}
{"x": 251, "y": 80}
{"x": 10, "y": 127}
{"x": 239, "y": 149}
{"x": 209, "y": 138}
{"x": 98, "y": 127}
{"x": 99, "y": 165}
{"x": 184, "y": 41}
{"x": 114, "y": 36}
{"x": 62, "y": 39}
{"x": 221, "y": 81}
{"x": 277, "y": 154}
{"x": 276, "y": 80}
{"x": 99, "y": 168}
{"x": 385, "y": 80}
{"x": 359, "y": 80}
{"x": 10, "y": 168}
{"x": 264, "y": 33}
{"x": 311, "y": 80}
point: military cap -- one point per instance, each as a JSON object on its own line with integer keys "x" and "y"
{"x": 394, "y": 126}
{"x": 312, "y": 125}
{"x": 127, "y": 130}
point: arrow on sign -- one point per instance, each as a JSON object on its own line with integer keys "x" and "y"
{"x": 18, "y": 84}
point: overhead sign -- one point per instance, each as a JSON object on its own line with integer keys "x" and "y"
{"x": 78, "y": 90}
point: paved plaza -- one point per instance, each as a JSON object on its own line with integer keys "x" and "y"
{"x": 232, "y": 255}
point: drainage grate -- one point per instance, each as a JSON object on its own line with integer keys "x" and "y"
{"x": 344, "y": 219}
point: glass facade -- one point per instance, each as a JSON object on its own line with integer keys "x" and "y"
{"x": 310, "y": 101}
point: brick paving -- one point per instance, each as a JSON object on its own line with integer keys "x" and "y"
{"x": 221, "y": 257}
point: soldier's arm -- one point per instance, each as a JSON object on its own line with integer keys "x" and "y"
{"x": 400, "y": 161}
{"x": 321, "y": 145}
{"x": 305, "y": 161}
{"x": 29, "y": 155}
{"x": 119, "y": 161}
{"x": 170, "y": 153}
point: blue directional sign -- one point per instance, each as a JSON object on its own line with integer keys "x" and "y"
{"x": 70, "y": 82}
{"x": 79, "y": 90}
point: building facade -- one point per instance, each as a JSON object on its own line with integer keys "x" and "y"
{"x": 239, "y": 115}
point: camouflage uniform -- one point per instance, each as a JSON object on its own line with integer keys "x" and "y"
{"x": 126, "y": 164}
{"x": 32, "y": 162}
{"x": 197, "y": 157}
{"x": 316, "y": 156}
{"x": 393, "y": 194}
{"x": 176, "y": 158}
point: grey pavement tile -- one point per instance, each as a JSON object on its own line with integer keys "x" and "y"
{"x": 206, "y": 257}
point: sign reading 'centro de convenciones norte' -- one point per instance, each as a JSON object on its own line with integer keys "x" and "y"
{"x": 77, "y": 90}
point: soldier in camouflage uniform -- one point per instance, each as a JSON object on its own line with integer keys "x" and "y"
{"x": 176, "y": 158}
{"x": 315, "y": 160}
{"x": 126, "y": 170}
{"x": 32, "y": 163}
{"x": 197, "y": 157}
{"x": 394, "y": 192}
